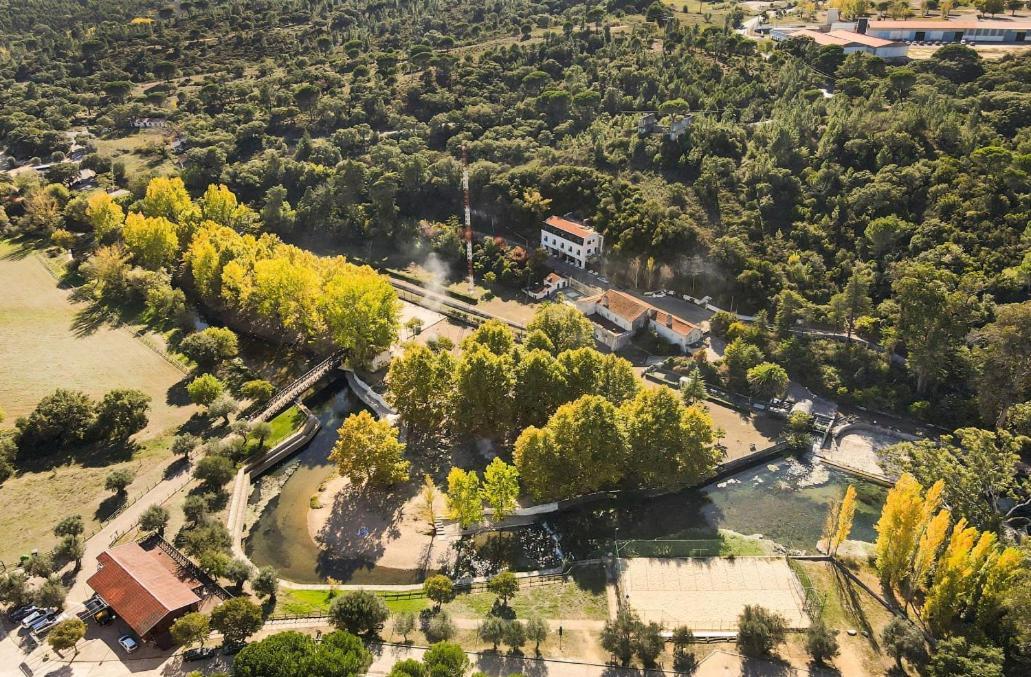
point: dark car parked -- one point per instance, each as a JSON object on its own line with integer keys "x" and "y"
{"x": 21, "y": 612}
{"x": 199, "y": 653}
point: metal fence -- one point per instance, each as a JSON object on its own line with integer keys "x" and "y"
{"x": 698, "y": 547}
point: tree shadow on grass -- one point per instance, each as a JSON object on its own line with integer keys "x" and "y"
{"x": 853, "y": 606}
{"x": 109, "y": 506}
{"x": 765, "y": 667}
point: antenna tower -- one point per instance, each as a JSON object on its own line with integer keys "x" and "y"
{"x": 468, "y": 215}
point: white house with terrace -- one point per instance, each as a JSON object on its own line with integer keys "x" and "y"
{"x": 571, "y": 241}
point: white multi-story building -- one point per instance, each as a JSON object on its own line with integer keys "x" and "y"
{"x": 571, "y": 241}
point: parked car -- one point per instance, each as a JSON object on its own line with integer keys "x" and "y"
{"x": 21, "y": 612}
{"x": 33, "y": 617}
{"x": 232, "y": 648}
{"x": 129, "y": 643}
{"x": 104, "y": 616}
{"x": 42, "y": 621}
{"x": 48, "y": 622}
{"x": 199, "y": 653}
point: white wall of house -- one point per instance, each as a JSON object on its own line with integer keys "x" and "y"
{"x": 573, "y": 251}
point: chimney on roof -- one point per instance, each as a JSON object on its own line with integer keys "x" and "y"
{"x": 862, "y": 25}
{"x": 669, "y": 320}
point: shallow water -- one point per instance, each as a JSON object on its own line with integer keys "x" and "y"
{"x": 280, "y": 537}
{"x": 786, "y": 500}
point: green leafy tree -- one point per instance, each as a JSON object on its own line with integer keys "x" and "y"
{"x": 956, "y": 657}
{"x": 446, "y": 659}
{"x": 494, "y": 335}
{"x": 515, "y": 635}
{"x": 421, "y": 382}
{"x": 193, "y": 628}
{"x": 258, "y": 390}
{"x": 239, "y": 572}
{"x": 214, "y": 471}
{"x": 903, "y": 640}
{"x": 205, "y": 389}
{"x": 483, "y": 392}
{"x": 290, "y": 653}
{"x": 538, "y": 388}
{"x": 821, "y": 643}
{"x": 66, "y": 635}
{"x": 62, "y": 419}
{"x": 670, "y": 445}
{"x": 70, "y": 526}
{"x": 359, "y": 612}
{"x": 368, "y": 451}
{"x": 500, "y": 488}
{"x": 581, "y": 449}
{"x": 767, "y": 380}
{"x": 759, "y": 630}
{"x": 739, "y": 356}
{"x": 210, "y": 346}
{"x": 537, "y": 632}
{"x": 649, "y": 643}
{"x": 266, "y": 583}
{"x": 1003, "y": 363}
{"x": 564, "y": 326}
{"x": 223, "y": 407}
{"x": 465, "y": 502}
{"x": 154, "y": 518}
{"x": 404, "y": 624}
{"x": 237, "y": 619}
{"x": 503, "y": 584}
{"x": 121, "y": 413}
{"x": 441, "y": 627}
{"x": 439, "y": 588}
{"x": 978, "y": 469}
{"x": 492, "y": 630}
{"x": 617, "y": 637}
{"x": 118, "y": 480}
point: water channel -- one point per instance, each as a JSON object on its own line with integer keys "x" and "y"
{"x": 785, "y": 499}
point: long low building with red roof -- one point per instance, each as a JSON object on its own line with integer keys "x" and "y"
{"x": 147, "y": 588}
{"x": 618, "y": 316}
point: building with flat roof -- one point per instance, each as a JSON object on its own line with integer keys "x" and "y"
{"x": 849, "y": 41}
{"x": 1015, "y": 31}
{"x": 571, "y": 241}
{"x": 618, "y": 316}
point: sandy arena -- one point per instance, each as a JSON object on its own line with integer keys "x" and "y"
{"x": 709, "y": 593}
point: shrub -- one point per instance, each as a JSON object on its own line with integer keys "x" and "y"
{"x": 821, "y": 642}
{"x": 446, "y": 659}
{"x": 759, "y": 630}
{"x": 359, "y": 612}
{"x": 440, "y": 627}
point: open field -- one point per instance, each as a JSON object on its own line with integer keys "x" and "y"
{"x": 50, "y": 342}
{"x": 130, "y": 150}
{"x": 74, "y": 487}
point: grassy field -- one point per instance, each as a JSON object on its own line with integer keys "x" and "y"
{"x": 849, "y": 607}
{"x": 76, "y": 486}
{"x": 283, "y": 425}
{"x": 581, "y": 597}
{"x": 132, "y": 150}
{"x": 50, "y": 342}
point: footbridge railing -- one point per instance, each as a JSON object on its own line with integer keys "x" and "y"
{"x": 284, "y": 397}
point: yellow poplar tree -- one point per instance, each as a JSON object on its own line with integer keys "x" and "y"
{"x": 368, "y": 451}
{"x": 846, "y": 513}
{"x": 151, "y": 241}
{"x": 898, "y": 528}
{"x": 463, "y": 497}
{"x": 167, "y": 197}
{"x": 945, "y": 597}
{"x": 927, "y": 550}
{"x": 103, "y": 214}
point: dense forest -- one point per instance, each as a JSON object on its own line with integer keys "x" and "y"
{"x": 841, "y": 192}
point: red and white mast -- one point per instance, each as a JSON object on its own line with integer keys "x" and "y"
{"x": 468, "y": 216}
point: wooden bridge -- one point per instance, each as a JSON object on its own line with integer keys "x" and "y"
{"x": 284, "y": 397}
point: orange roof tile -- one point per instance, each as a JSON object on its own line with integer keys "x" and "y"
{"x": 569, "y": 226}
{"x": 140, "y": 589}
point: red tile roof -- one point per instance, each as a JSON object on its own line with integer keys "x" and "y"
{"x": 868, "y": 40}
{"x": 569, "y": 226}
{"x": 139, "y": 587}
{"x": 631, "y": 309}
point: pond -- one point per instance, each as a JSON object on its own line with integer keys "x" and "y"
{"x": 280, "y": 537}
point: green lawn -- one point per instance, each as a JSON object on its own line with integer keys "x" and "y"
{"x": 283, "y": 425}
{"x": 582, "y": 596}
{"x": 300, "y": 602}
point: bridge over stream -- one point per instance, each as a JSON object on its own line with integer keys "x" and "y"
{"x": 284, "y": 397}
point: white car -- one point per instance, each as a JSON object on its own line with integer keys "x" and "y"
{"x": 129, "y": 643}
